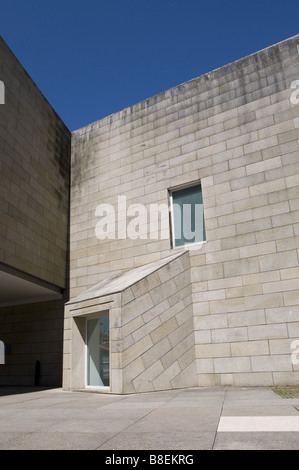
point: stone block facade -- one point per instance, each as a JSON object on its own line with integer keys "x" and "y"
{"x": 35, "y": 161}
{"x": 34, "y": 213}
{"x": 140, "y": 311}
{"x": 33, "y": 338}
{"x": 234, "y": 130}
{"x": 151, "y": 328}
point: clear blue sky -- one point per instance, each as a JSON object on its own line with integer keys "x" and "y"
{"x": 93, "y": 58}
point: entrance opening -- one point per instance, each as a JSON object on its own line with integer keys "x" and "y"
{"x": 98, "y": 364}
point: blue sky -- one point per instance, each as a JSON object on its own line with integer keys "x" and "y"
{"x": 93, "y": 58}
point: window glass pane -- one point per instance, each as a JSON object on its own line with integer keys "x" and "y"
{"x": 98, "y": 351}
{"x": 188, "y": 216}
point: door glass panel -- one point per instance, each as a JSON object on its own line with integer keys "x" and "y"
{"x": 98, "y": 352}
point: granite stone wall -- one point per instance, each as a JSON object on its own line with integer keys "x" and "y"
{"x": 34, "y": 162}
{"x": 34, "y": 220}
{"x": 235, "y": 130}
{"x": 33, "y": 338}
{"x": 151, "y": 328}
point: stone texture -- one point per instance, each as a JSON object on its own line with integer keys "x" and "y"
{"x": 149, "y": 350}
{"x": 35, "y": 147}
{"x": 234, "y": 130}
{"x": 35, "y": 161}
{"x": 34, "y": 332}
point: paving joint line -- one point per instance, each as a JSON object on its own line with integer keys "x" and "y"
{"x": 125, "y": 429}
{"x": 135, "y": 422}
{"x": 224, "y": 398}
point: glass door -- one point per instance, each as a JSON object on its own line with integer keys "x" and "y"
{"x": 98, "y": 364}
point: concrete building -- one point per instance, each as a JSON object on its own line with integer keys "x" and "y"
{"x": 34, "y": 208}
{"x": 184, "y": 234}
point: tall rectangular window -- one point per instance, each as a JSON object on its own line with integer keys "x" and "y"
{"x": 98, "y": 352}
{"x": 188, "y": 223}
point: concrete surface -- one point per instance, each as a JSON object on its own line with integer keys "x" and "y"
{"x": 192, "y": 419}
{"x": 234, "y": 129}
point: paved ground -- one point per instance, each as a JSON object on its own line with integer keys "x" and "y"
{"x": 195, "y": 419}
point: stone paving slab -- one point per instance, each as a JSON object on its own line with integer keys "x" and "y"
{"x": 174, "y": 440}
{"x": 257, "y": 441}
{"x": 193, "y": 419}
